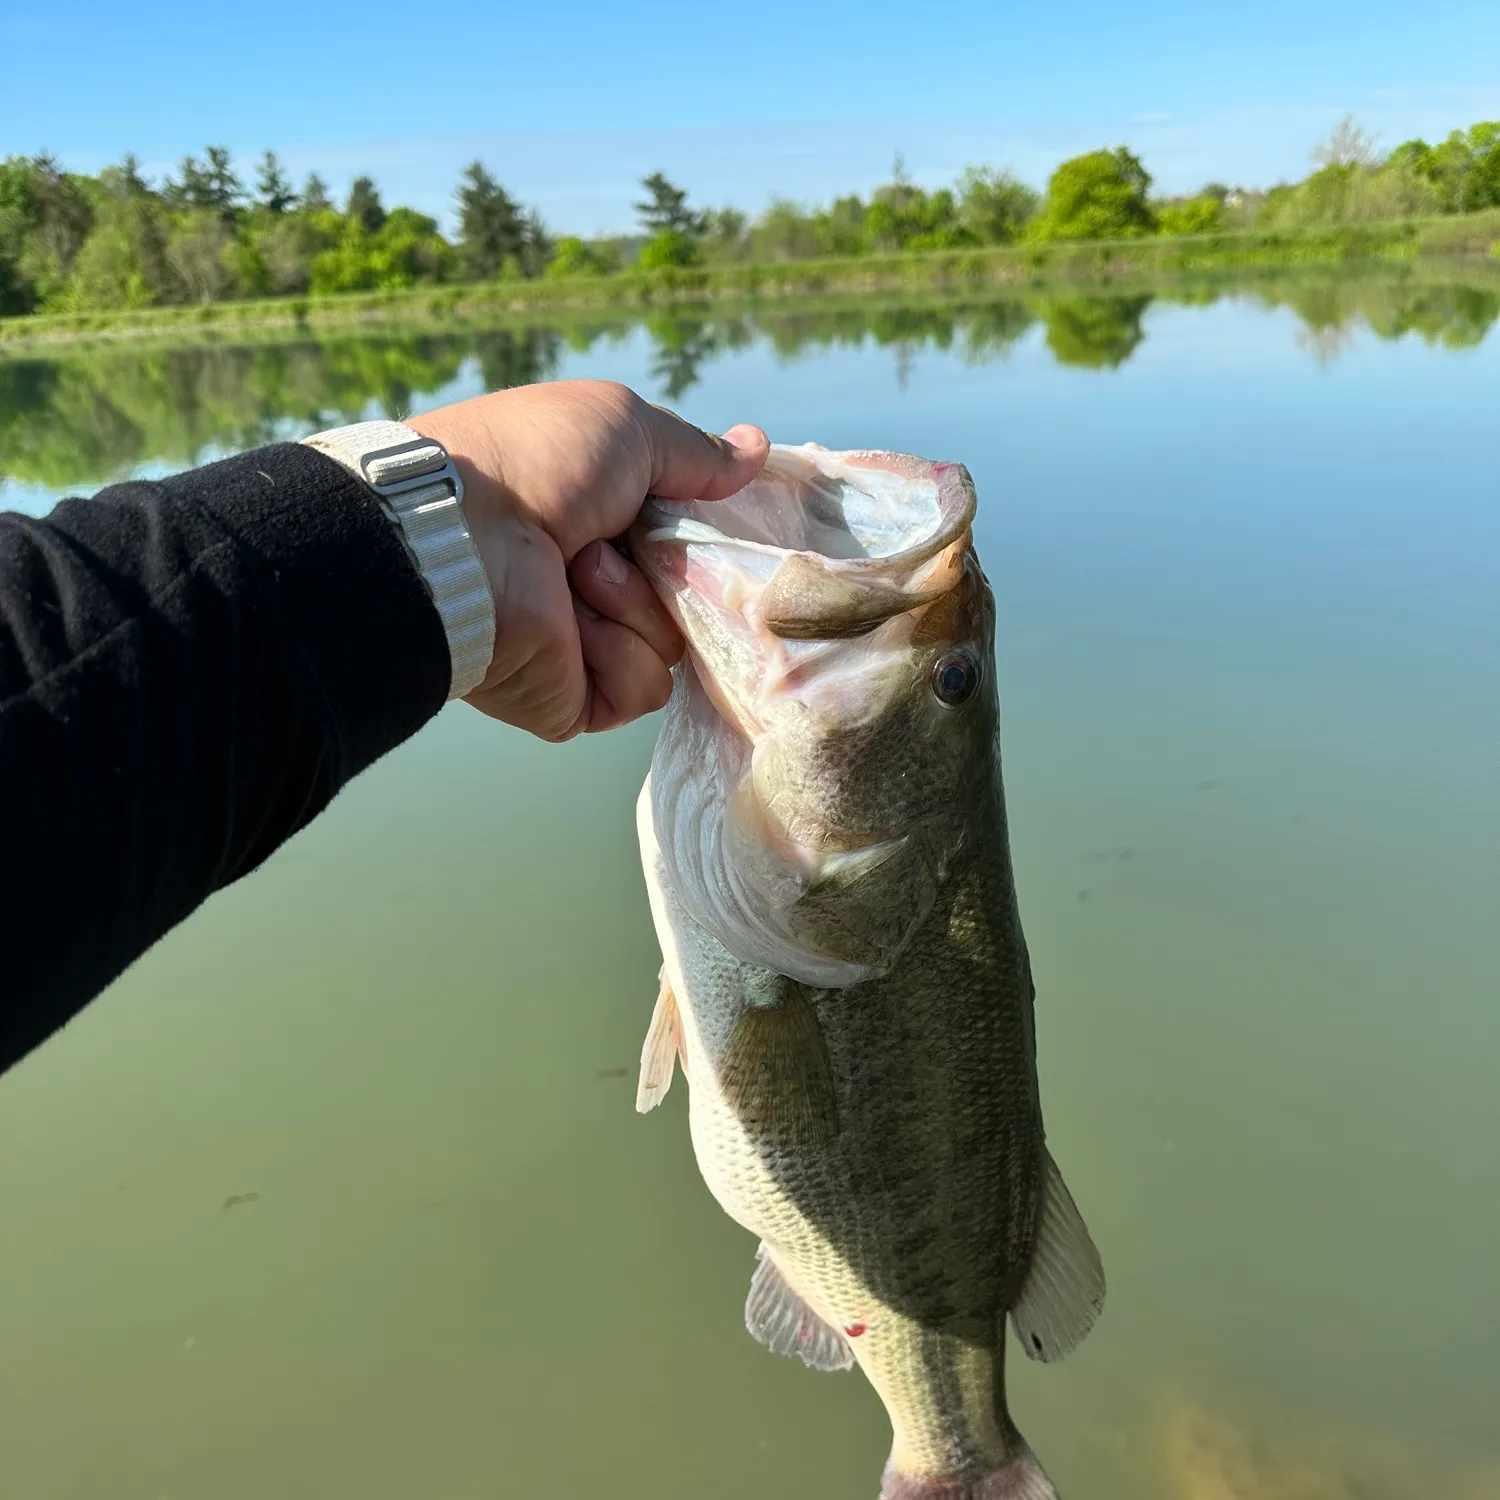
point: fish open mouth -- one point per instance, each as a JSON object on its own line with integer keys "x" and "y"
{"x": 821, "y": 546}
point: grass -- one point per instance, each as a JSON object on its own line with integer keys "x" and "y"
{"x": 1473, "y": 239}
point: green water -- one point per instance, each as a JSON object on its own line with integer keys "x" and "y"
{"x": 1246, "y": 553}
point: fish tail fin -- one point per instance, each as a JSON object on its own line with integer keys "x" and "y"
{"x": 1020, "y": 1477}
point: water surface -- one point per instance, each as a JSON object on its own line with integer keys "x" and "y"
{"x": 340, "y": 1192}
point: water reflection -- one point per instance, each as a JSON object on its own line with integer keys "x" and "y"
{"x": 87, "y": 413}
{"x": 95, "y": 412}
{"x": 1094, "y": 333}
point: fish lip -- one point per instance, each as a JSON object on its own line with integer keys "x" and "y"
{"x": 660, "y": 522}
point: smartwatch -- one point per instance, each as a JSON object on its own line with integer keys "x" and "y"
{"x": 422, "y": 494}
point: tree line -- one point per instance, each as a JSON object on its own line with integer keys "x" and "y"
{"x": 76, "y": 242}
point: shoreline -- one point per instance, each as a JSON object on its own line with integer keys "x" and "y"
{"x": 1466, "y": 247}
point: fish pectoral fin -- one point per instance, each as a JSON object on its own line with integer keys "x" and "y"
{"x": 1063, "y": 1294}
{"x": 663, "y": 1046}
{"x": 774, "y": 1071}
{"x": 785, "y": 1324}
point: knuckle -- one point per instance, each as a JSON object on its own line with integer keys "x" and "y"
{"x": 619, "y": 395}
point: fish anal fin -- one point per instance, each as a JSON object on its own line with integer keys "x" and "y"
{"x": 663, "y": 1046}
{"x": 1063, "y": 1294}
{"x": 785, "y": 1324}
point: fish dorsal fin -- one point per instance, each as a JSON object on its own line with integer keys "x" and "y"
{"x": 662, "y": 1048}
{"x": 1064, "y": 1289}
{"x": 785, "y": 1324}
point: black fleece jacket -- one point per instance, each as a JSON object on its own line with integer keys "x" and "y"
{"x": 189, "y": 670}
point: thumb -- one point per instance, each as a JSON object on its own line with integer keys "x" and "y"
{"x": 690, "y": 464}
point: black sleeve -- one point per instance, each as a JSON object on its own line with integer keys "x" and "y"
{"x": 189, "y": 670}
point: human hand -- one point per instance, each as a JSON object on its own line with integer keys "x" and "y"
{"x": 551, "y": 472}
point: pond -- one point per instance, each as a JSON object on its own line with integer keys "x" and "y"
{"x": 340, "y": 1190}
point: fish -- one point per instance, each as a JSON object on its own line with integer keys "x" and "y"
{"x": 845, "y": 983}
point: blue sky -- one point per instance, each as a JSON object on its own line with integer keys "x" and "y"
{"x": 570, "y": 104}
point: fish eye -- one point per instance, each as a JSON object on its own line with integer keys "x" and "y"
{"x": 954, "y": 678}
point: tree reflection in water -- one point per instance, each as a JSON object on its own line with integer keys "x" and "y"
{"x": 86, "y": 413}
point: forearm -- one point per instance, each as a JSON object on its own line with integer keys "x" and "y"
{"x": 189, "y": 671}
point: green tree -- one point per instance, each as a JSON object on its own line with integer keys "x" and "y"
{"x": 45, "y": 217}
{"x": 197, "y": 254}
{"x": 64, "y": 217}
{"x": 189, "y": 189}
{"x": 413, "y": 249}
{"x": 1464, "y": 170}
{"x": 226, "y": 192}
{"x": 364, "y": 204}
{"x": 840, "y": 230}
{"x": 127, "y": 178}
{"x": 784, "y": 232}
{"x": 272, "y": 187}
{"x": 724, "y": 234}
{"x": 123, "y": 262}
{"x": 405, "y": 249}
{"x": 210, "y": 184}
{"x": 536, "y": 244}
{"x": 572, "y": 256}
{"x": 286, "y": 246}
{"x": 1099, "y": 196}
{"x": 904, "y": 217}
{"x": 17, "y": 219}
{"x": 1201, "y": 215}
{"x": 491, "y": 225}
{"x": 315, "y": 199}
{"x": 670, "y": 247}
{"x": 245, "y": 261}
{"x": 995, "y": 206}
{"x": 664, "y": 210}
{"x": 1484, "y": 142}
{"x": 1390, "y": 192}
{"x": 1453, "y": 173}
{"x": 348, "y": 266}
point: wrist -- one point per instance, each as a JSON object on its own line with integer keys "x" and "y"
{"x": 422, "y": 491}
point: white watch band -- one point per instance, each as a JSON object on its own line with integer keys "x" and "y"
{"x": 423, "y": 494}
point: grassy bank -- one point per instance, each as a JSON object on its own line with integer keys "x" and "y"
{"x": 1472, "y": 241}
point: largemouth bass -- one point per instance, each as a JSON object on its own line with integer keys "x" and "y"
{"x": 844, "y": 975}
